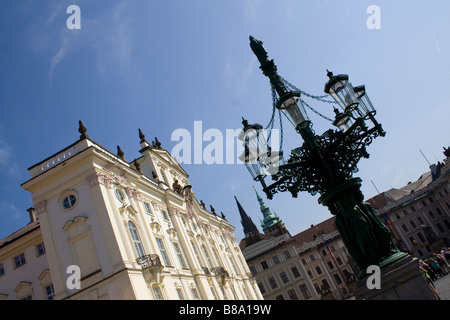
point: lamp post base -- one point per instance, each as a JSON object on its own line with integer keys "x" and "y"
{"x": 399, "y": 280}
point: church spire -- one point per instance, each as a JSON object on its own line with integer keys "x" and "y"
{"x": 271, "y": 223}
{"x": 250, "y": 229}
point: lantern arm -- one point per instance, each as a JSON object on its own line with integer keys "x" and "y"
{"x": 296, "y": 176}
{"x": 358, "y": 131}
{"x": 334, "y": 158}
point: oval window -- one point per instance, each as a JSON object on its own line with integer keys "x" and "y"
{"x": 69, "y": 201}
{"x": 120, "y": 195}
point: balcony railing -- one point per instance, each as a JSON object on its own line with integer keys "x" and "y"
{"x": 219, "y": 271}
{"x": 148, "y": 261}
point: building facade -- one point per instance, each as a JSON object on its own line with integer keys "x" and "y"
{"x": 24, "y": 271}
{"x": 273, "y": 260}
{"x": 418, "y": 214}
{"x": 327, "y": 261}
{"x": 114, "y": 229}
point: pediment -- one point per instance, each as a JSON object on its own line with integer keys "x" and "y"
{"x": 74, "y": 222}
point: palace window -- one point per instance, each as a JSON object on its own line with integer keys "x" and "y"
{"x": 286, "y": 254}
{"x": 147, "y": 208}
{"x": 195, "y": 294}
{"x": 40, "y": 249}
{"x": 292, "y": 294}
{"x": 157, "y": 293}
{"x": 295, "y": 272}
{"x": 318, "y": 270}
{"x": 163, "y": 251}
{"x": 165, "y": 215}
{"x": 50, "y": 292}
{"x": 205, "y": 252}
{"x": 337, "y": 278}
{"x": 120, "y": 194}
{"x": 19, "y": 260}
{"x": 275, "y": 260}
{"x": 273, "y": 282}
{"x": 136, "y": 240}
{"x": 284, "y": 277}
{"x": 253, "y": 270}
{"x": 179, "y": 254}
{"x": 180, "y": 293}
{"x": 69, "y": 201}
{"x": 261, "y": 288}
{"x": 196, "y": 253}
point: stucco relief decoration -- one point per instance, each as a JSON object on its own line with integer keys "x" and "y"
{"x": 201, "y": 238}
{"x": 76, "y": 226}
{"x": 127, "y": 212}
{"x": 172, "y": 233}
{"x": 99, "y": 178}
{"x": 162, "y": 165}
{"x": 40, "y": 207}
{"x": 156, "y": 205}
{"x": 191, "y": 234}
{"x": 177, "y": 212}
{"x": 118, "y": 178}
{"x": 156, "y": 227}
{"x": 134, "y": 193}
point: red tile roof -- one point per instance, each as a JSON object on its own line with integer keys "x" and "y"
{"x": 326, "y": 226}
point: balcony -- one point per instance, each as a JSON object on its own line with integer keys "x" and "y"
{"x": 219, "y": 271}
{"x": 149, "y": 261}
{"x": 151, "y": 268}
{"x": 221, "y": 275}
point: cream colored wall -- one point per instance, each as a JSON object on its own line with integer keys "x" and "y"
{"x": 31, "y": 275}
{"x": 99, "y": 223}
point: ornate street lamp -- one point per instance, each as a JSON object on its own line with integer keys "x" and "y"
{"x": 325, "y": 163}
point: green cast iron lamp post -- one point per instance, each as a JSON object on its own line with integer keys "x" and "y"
{"x": 324, "y": 164}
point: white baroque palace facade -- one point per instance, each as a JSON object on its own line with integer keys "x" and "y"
{"x": 133, "y": 230}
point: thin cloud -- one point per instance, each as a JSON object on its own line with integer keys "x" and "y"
{"x": 5, "y": 149}
{"x": 7, "y": 164}
{"x": 57, "y": 58}
{"x": 436, "y": 43}
{"x": 5, "y": 153}
{"x": 237, "y": 82}
{"x": 111, "y": 34}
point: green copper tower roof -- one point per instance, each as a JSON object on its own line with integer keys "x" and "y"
{"x": 270, "y": 218}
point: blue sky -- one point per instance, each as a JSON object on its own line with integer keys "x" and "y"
{"x": 161, "y": 65}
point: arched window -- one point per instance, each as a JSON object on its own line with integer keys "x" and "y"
{"x": 136, "y": 240}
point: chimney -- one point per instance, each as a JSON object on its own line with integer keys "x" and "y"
{"x": 32, "y": 213}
